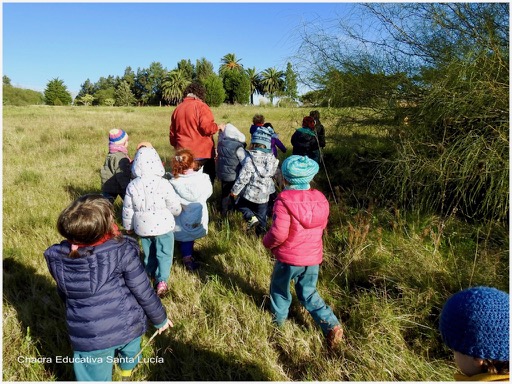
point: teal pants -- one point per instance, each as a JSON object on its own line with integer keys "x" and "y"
{"x": 97, "y": 365}
{"x": 158, "y": 255}
{"x": 305, "y": 280}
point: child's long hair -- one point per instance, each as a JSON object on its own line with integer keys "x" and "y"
{"x": 182, "y": 160}
{"x": 86, "y": 220}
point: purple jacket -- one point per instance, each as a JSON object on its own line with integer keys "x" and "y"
{"x": 299, "y": 220}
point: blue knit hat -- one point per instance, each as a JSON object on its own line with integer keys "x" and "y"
{"x": 262, "y": 135}
{"x": 299, "y": 171}
{"x": 475, "y": 322}
{"x": 117, "y": 136}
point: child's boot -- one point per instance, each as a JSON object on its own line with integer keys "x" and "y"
{"x": 190, "y": 263}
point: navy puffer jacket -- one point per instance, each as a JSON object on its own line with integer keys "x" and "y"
{"x": 107, "y": 293}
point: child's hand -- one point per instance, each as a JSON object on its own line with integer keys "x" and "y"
{"x": 129, "y": 232}
{"x": 169, "y": 324}
{"x": 233, "y": 195}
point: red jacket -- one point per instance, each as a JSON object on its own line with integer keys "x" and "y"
{"x": 193, "y": 127}
{"x": 299, "y": 220}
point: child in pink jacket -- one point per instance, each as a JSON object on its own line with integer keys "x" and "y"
{"x": 295, "y": 239}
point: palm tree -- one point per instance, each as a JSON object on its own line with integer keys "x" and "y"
{"x": 230, "y": 62}
{"x": 272, "y": 81}
{"x": 255, "y": 82}
{"x": 173, "y": 86}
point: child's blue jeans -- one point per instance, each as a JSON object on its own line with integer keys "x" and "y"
{"x": 305, "y": 279}
{"x": 158, "y": 255}
{"x": 97, "y": 365}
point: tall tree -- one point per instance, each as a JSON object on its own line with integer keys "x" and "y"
{"x": 237, "y": 87}
{"x": 124, "y": 95}
{"x": 272, "y": 81}
{"x": 204, "y": 69}
{"x": 173, "y": 86}
{"x": 187, "y": 68}
{"x": 215, "y": 94}
{"x": 254, "y": 82}
{"x": 56, "y": 93}
{"x": 290, "y": 83}
{"x": 229, "y": 62}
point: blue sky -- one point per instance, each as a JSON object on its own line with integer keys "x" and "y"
{"x": 80, "y": 41}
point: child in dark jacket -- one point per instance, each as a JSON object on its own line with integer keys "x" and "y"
{"x": 107, "y": 293}
{"x": 305, "y": 141}
{"x": 116, "y": 171}
{"x": 475, "y": 325}
{"x": 230, "y": 156}
{"x": 295, "y": 239}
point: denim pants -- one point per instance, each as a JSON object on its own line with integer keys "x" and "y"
{"x": 97, "y": 365}
{"x": 250, "y": 209}
{"x": 305, "y": 279}
{"x": 158, "y": 254}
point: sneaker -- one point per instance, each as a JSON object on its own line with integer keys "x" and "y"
{"x": 252, "y": 222}
{"x": 335, "y": 336}
{"x": 190, "y": 263}
{"x": 161, "y": 288}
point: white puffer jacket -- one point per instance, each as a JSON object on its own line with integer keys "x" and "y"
{"x": 150, "y": 203}
{"x": 193, "y": 190}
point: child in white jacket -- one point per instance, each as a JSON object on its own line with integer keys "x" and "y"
{"x": 193, "y": 188}
{"x": 149, "y": 208}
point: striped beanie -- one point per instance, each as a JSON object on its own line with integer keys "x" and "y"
{"x": 475, "y": 322}
{"x": 299, "y": 171}
{"x": 262, "y": 135}
{"x": 117, "y": 136}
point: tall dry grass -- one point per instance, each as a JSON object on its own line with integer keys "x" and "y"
{"x": 386, "y": 272}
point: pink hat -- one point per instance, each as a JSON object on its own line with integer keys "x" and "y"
{"x": 117, "y": 136}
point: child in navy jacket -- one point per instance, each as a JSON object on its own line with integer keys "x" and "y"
{"x": 107, "y": 293}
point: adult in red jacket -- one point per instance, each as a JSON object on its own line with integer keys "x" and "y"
{"x": 193, "y": 126}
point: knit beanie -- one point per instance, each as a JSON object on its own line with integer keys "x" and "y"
{"x": 475, "y": 322}
{"x": 299, "y": 171}
{"x": 117, "y": 136}
{"x": 262, "y": 135}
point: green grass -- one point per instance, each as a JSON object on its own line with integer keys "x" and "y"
{"x": 386, "y": 272}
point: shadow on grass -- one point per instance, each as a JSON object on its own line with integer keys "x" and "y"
{"x": 40, "y": 313}
{"x": 189, "y": 362}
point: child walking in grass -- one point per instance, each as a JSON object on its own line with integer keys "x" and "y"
{"x": 254, "y": 183}
{"x": 149, "y": 208}
{"x": 193, "y": 188}
{"x": 295, "y": 239}
{"x": 116, "y": 171}
{"x": 230, "y": 156}
{"x": 305, "y": 141}
{"x": 107, "y": 293}
{"x": 475, "y": 325}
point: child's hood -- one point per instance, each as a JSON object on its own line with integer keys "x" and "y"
{"x": 232, "y": 132}
{"x": 191, "y": 187}
{"x": 147, "y": 162}
{"x": 310, "y": 208}
{"x": 265, "y": 162}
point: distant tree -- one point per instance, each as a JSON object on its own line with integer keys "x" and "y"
{"x": 123, "y": 95}
{"x": 290, "y": 82}
{"x": 204, "y": 69}
{"x": 19, "y": 96}
{"x": 187, "y": 68}
{"x": 272, "y": 81}
{"x": 6, "y": 80}
{"x": 56, "y": 93}
{"x": 215, "y": 94}
{"x": 229, "y": 63}
{"x": 173, "y": 86}
{"x": 87, "y": 88}
{"x": 103, "y": 95}
{"x": 254, "y": 82}
{"x": 85, "y": 100}
{"x": 237, "y": 87}
{"x": 109, "y": 102}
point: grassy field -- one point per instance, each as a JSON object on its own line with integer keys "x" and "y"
{"x": 386, "y": 272}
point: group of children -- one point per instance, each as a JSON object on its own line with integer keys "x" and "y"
{"x": 104, "y": 284}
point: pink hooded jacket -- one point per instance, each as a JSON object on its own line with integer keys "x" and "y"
{"x": 295, "y": 237}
